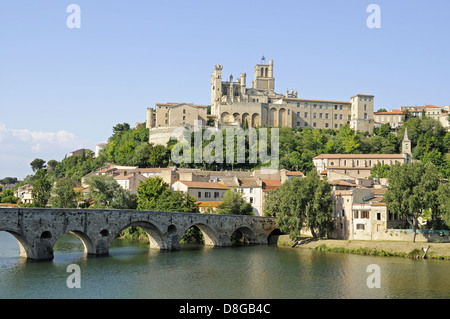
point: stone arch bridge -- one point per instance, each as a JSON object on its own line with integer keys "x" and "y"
{"x": 37, "y": 230}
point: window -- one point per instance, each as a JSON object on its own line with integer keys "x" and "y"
{"x": 355, "y": 214}
{"x": 360, "y": 226}
{"x": 306, "y": 115}
{"x": 378, "y": 216}
{"x": 199, "y": 195}
{"x": 340, "y": 107}
{"x": 315, "y": 115}
{"x": 251, "y": 200}
{"x": 340, "y": 116}
{"x": 184, "y": 111}
{"x": 326, "y": 116}
{"x": 335, "y": 116}
{"x": 320, "y": 106}
{"x": 298, "y": 123}
{"x": 326, "y": 125}
{"x": 298, "y": 114}
{"x": 335, "y": 107}
{"x": 207, "y": 194}
{"x": 306, "y": 104}
{"x": 314, "y": 124}
{"x": 365, "y": 214}
{"x": 314, "y": 105}
{"x": 298, "y": 104}
{"x": 216, "y": 195}
{"x": 320, "y": 115}
{"x": 335, "y": 125}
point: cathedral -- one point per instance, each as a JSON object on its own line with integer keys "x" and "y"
{"x": 233, "y": 104}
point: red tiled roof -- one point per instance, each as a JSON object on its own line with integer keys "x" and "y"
{"x": 271, "y": 183}
{"x": 358, "y": 156}
{"x": 208, "y": 203}
{"x": 212, "y": 185}
{"x": 294, "y": 173}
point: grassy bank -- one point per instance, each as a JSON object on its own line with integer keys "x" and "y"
{"x": 376, "y": 248}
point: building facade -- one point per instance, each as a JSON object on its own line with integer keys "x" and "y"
{"x": 234, "y": 104}
{"x": 354, "y": 166}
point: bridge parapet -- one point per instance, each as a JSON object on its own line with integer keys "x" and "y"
{"x": 37, "y": 230}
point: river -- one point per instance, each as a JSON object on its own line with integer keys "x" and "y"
{"x": 267, "y": 272}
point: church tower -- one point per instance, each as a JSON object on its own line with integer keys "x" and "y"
{"x": 406, "y": 148}
{"x": 264, "y": 79}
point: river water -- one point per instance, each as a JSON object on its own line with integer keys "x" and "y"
{"x": 133, "y": 271}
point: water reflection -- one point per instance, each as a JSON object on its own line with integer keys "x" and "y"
{"x": 132, "y": 270}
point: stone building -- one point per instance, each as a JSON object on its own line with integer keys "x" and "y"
{"x": 354, "y": 166}
{"x": 394, "y": 118}
{"x": 233, "y": 104}
{"x": 167, "y": 116}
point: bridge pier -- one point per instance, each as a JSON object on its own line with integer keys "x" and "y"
{"x": 37, "y": 229}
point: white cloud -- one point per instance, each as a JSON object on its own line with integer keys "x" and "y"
{"x": 24, "y": 145}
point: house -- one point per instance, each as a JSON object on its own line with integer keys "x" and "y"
{"x": 24, "y": 193}
{"x": 129, "y": 181}
{"x": 203, "y": 192}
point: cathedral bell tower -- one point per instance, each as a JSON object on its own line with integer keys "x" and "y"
{"x": 264, "y": 79}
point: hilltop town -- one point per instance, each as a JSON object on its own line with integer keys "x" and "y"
{"x": 353, "y": 148}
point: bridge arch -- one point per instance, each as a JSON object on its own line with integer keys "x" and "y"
{"x": 244, "y": 235}
{"x": 210, "y": 236}
{"x": 155, "y": 235}
{"x": 24, "y": 245}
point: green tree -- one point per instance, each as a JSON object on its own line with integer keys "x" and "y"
{"x": 380, "y": 170}
{"x": 154, "y": 194}
{"x": 64, "y": 194}
{"x": 42, "y": 187}
{"x": 37, "y": 164}
{"x": 7, "y": 197}
{"x": 412, "y": 191}
{"x": 302, "y": 202}
{"x": 107, "y": 193}
{"x": 233, "y": 203}
{"x": 444, "y": 202}
{"x": 150, "y": 192}
{"x": 319, "y": 210}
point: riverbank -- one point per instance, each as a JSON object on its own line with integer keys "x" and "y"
{"x": 376, "y": 248}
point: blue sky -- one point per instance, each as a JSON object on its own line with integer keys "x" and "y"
{"x": 63, "y": 89}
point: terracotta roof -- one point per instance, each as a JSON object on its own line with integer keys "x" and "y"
{"x": 271, "y": 183}
{"x": 358, "y": 156}
{"x": 432, "y": 107}
{"x": 340, "y": 182}
{"x": 208, "y": 203}
{"x": 392, "y": 112}
{"x": 379, "y": 204}
{"x": 294, "y": 173}
{"x": 212, "y": 185}
{"x": 249, "y": 183}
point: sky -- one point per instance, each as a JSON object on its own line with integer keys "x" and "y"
{"x": 64, "y": 88}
